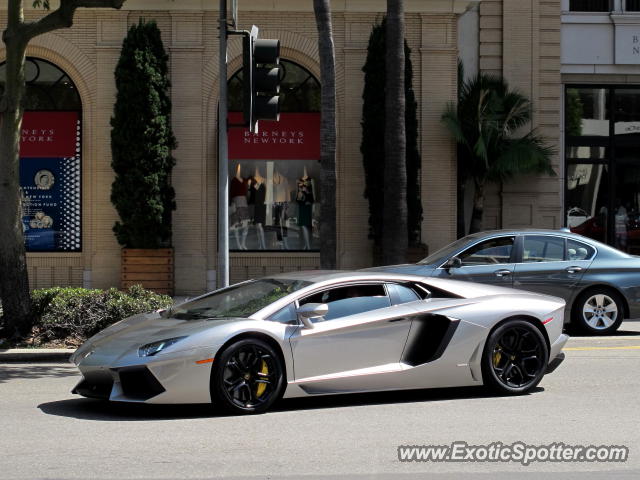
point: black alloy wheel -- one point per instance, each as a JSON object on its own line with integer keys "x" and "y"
{"x": 515, "y": 357}
{"x": 247, "y": 378}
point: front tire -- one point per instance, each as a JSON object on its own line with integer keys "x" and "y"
{"x": 514, "y": 358}
{"x": 248, "y": 377}
{"x": 598, "y": 312}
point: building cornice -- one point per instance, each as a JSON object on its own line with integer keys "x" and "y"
{"x": 337, "y": 6}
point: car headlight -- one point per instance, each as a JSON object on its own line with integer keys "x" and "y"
{"x": 150, "y": 349}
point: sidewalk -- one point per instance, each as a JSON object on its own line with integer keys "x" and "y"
{"x": 35, "y": 354}
{"x": 50, "y": 354}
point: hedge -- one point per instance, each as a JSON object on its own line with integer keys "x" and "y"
{"x": 64, "y": 313}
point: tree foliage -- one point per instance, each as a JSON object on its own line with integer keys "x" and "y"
{"x": 14, "y": 280}
{"x": 373, "y": 130}
{"x": 142, "y": 141}
{"x": 485, "y": 123}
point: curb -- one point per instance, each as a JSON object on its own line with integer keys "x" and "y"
{"x": 35, "y": 355}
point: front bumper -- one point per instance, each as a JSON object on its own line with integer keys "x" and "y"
{"x": 163, "y": 379}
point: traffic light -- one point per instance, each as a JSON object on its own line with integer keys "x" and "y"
{"x": 261, "y": 79}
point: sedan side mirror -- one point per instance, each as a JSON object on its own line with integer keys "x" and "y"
{"x": 311, "y": 310}
{"x": 453, "y": 262}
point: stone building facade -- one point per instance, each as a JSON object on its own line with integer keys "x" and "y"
{"x": 519, "y": 39}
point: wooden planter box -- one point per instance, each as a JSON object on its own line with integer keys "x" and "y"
{"x": 151, "y": 268}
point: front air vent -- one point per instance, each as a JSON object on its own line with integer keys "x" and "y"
{"x": 138, "y": 383}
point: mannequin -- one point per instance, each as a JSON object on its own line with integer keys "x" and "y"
{"x": 238, "y": 208}
{"x": 257, "y": 194}
{"x": 281, "y": 193}
{"x": 305, "y": 200}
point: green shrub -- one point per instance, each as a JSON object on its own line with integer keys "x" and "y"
{"x": 78, "y": 313}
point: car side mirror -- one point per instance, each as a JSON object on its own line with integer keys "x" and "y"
{"x": 311, "y": 310}
{"x": 453, "y": 262}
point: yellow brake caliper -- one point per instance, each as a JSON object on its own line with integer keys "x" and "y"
{"x": 262, "y": 386}
{"x": 496, "y": 357}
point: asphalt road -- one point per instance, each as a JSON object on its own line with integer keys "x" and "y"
{"x": 592, "y": 399}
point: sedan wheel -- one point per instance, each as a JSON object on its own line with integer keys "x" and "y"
{"x": 248, "y": 377}
{"x": 515, "y": 358}
{"x": 598, "y": 312}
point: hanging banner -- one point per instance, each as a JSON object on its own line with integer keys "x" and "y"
{"x": 50, "y": 181}
{"x": 296, "y": 136}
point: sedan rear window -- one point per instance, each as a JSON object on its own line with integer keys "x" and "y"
{"x": 579, "y": 251}
{"x": 543, "y": 248}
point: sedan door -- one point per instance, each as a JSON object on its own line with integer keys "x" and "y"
{"x": 552, "y": 265}
{"x": 362, "y": 330}
{"x": 489, "y": 261}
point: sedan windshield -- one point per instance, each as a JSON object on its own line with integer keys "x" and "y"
{"x": 445, "y": 252}
{"x": 241, "y": 300}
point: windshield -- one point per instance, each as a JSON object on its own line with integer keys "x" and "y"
{"x": 241, "y": 300}
{"x": 446, "y": 251}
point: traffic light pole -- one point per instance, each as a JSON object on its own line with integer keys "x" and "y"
{"x": 223, "y": 154}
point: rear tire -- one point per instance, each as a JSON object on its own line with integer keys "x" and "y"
{"x": 514, "y": 358}
{"x": 248, "y": 377}
{"x": 598, "y": 311}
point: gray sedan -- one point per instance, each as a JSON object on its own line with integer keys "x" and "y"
{"x": 600, "y": 284}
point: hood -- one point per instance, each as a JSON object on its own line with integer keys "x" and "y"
{"x": 138, "y": 330}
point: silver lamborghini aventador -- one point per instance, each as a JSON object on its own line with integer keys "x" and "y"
{"x": 315, "y": 333}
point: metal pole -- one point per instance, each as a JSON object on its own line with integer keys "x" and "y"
{"x": 223, "y": 160}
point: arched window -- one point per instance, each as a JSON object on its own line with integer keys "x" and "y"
{"x": 48, "y": 87}
{"x": 50, "y": 158}
{"x": 274, "y": 201}
{"x": 299, "y": 89}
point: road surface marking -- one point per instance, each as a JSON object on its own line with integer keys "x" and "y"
{"x": 630, "y": 347}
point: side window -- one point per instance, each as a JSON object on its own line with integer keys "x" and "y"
{"x": 579, "y": 250}
{"x": 285, "y": 315}
{"x": 400, "y": 294}
{"x": 543, "y": 248}
{"x": 345, "y": 301}
{"x": 489, "y": 252}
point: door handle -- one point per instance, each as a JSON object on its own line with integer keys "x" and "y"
{"x": 573, "y": 269}
{"x": 400, "y": 319}
{"x": 502, "y": 273}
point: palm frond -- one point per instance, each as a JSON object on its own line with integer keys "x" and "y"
{"x": 452, "y": 123}
{"x": 528, "y": 154}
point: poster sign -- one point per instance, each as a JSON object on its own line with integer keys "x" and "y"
{"x": 50, "y": 181}
{"x": 296, "y": 136}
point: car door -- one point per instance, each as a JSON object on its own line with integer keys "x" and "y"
{"x": 551, "y": 265}
{"x": 361, "y": 330}
{"x": 489, "y": 261}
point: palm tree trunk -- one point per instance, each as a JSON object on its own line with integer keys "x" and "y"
{"x": 328, "y": 244}
{"x": 478, "y": 206}
{"x": 14, "y": 282}
{"x": 394, "y": 237}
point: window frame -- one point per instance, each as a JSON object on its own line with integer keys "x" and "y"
{"x": 534, "y": 235}
{"x": 485, "y": 239}
{"x": 347, "y": 285}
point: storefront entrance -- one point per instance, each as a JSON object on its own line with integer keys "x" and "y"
{"x": 602, "y": 152}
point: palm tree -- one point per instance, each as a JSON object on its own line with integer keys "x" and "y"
{"x": 322, "y": 10}
{"x": 394, "y": 237}
{"x": 483, "y": 124}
